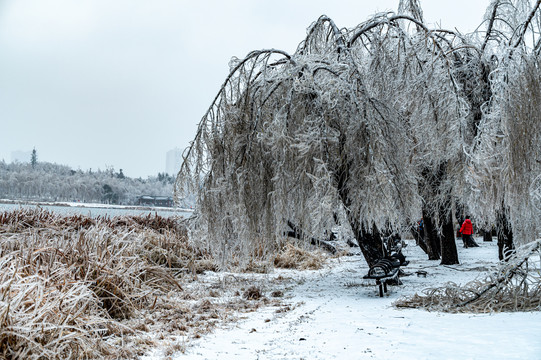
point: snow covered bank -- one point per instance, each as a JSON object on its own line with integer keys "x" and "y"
{"x": 337, "y": 315}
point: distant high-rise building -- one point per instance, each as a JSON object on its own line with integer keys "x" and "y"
{"x": 172, "y": 161}
{"x": 21, "y": 156}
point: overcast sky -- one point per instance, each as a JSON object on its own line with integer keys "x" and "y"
{"x": 118, "y": 83}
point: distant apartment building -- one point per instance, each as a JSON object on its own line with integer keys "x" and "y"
{"x": 21, "y": 156}
{"x": 172, "y": 161}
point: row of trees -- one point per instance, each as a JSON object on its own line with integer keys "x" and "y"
{"x": 385, "y": 122}
{"x": 51, "y": 182}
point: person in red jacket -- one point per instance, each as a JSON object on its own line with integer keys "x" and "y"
{"x": 467, "y": 230}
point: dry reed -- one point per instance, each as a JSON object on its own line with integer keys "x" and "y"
{"x": 79, "y": 287}
{"x": 293, "y": 257}
{"x": 66, "y": 283}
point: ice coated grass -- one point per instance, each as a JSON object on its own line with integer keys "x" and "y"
{"x": 294, "y": 257}
{"x": 66, "y": 283}
{"x": 77, "y": 287}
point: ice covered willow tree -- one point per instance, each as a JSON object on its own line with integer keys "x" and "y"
{"x": 506, "y": 154}
{"x": 379, "y": 123}
{"x": 363, "y": 120}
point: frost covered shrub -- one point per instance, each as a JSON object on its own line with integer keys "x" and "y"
{"x": 68, "y": 283}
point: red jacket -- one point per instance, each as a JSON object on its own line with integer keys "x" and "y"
{"x": 467, "y": 228}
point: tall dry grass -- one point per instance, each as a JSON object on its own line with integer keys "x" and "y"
{"x": 75, "y": 287}
{"x": 68, "y": 283}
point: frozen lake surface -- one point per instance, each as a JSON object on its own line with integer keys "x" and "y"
{"x": 95, "y": 210}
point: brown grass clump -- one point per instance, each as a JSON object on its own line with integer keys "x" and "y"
{"x": 252, "y": 293}
{"x": 293, "y": 257}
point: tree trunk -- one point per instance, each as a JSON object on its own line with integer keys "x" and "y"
{"x": 371, "y": 244}
{"x": 369, "y": 241}
{"x": 418, "y": 235}
{"x": 431, "y": 238}
{"x": 506, "y": 248}
{"x": 432, "y": 179}
{"x": 487, "y": 235}
{"x": 449, "y": 253}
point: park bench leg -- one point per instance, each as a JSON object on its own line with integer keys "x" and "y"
{"x": 380, "y": 285}
{"x": 385, "y": 286}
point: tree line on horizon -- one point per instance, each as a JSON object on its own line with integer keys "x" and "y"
{"x": 43, "y": 181}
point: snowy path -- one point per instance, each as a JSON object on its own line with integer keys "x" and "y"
{"x": 337, "y": 315}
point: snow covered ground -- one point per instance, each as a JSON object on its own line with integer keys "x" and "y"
{"x": 338, "y": 315}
